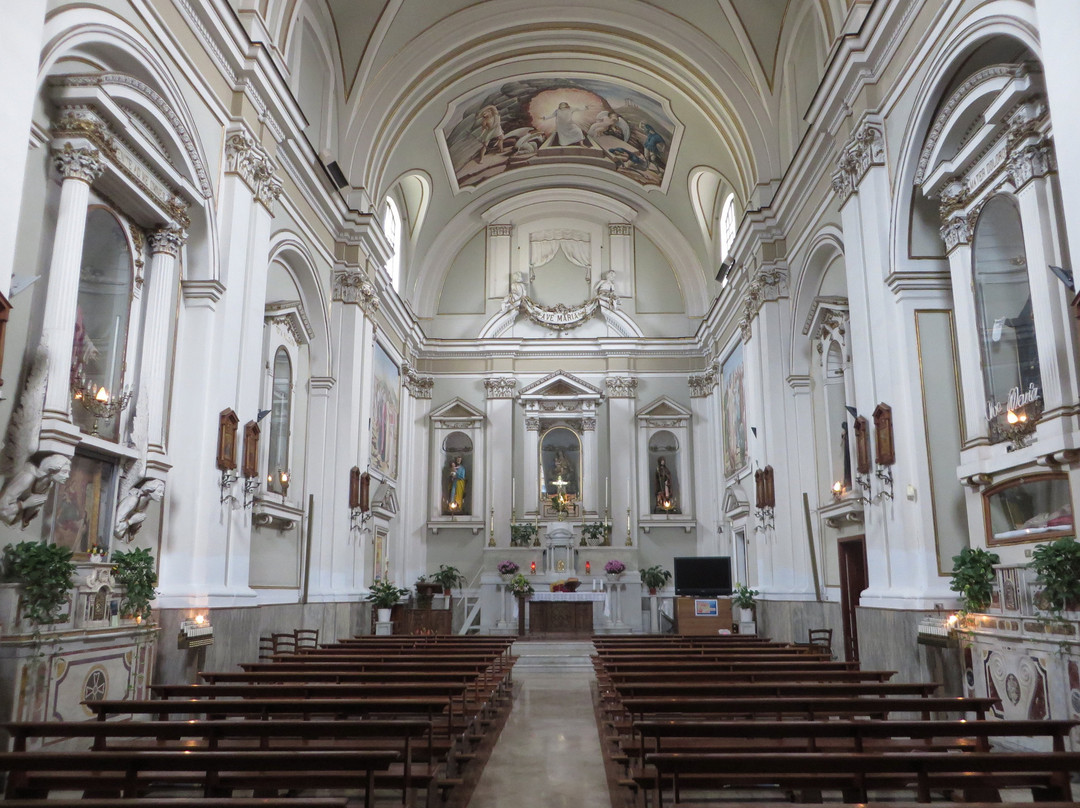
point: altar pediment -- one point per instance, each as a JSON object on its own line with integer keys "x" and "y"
{"x": 384, "y": 502}
{"x": 664, "y": 412}
{"x": 560, "y": 385}
{"x": 457, "y": 413}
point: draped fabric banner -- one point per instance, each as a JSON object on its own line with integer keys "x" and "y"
{"x": 559, "y": 317}
{"x": 575, "y": 245}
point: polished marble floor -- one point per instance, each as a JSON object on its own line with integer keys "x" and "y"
{"x": 548, "y": 755}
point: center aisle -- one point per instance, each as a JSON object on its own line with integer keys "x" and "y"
{"x": 548, "y": 755}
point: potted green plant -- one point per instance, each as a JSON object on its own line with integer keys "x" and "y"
{"x": 134, "y": 570}
{"x": 448, "y": 577}
{"x": 655, "y": 577}
{"x": 384, "y": 594}
{"x": 522, "y": 534}
{"x": 43, "y": 574}
{"x": 595, "y": 534}
{"x": 426, "y": 591}
{"x": 1057, "y": 565}
{"x": 973, "y": 577}
{"x": 744, "y": 598}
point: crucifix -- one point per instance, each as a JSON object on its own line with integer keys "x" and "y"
{"x": 560, "y": 484}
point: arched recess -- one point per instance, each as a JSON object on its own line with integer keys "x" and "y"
{"x": 411, "y": 194}
{"x": 313, "y": 59}
{"x": 287, "y": 249}
{"x": 537, "y": 199}
{"x": 914, "y": 229}
{"x": 132, "y": 73}
{"x": 709, "y": 192}
{"x": 824, "y": 250}
{"x": 801, "y": 52}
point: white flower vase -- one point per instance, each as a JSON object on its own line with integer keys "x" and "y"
{"x": 614, "y": 576}
{"x": 383, "y": 615}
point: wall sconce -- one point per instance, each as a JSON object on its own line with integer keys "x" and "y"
{"x": 884, "y": 473}
{"x": 228, "y": 477}
{"x": 837, "y": 491}
{"x": 282, "y": 477}
{"x": 251, "y": 485}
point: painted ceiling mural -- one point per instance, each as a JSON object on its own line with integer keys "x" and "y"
{"x": 539, "y": 121}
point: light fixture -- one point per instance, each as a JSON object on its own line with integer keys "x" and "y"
{"x": 97, "y": 400}
{"x": 532, "y": 568}
{"x": 588, "y": 567}
{"x": 837, "y": 490}
{"x": 228, "y": 477}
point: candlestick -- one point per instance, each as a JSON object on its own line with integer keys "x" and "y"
{"x": 491, "y": 534}
{"x": 513, "y": 494}
{"x": 607, "y": 493}
{"x": 629, "y": 540}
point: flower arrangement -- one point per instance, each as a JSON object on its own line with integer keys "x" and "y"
{"x": 519, "y": 585}
{"x": 595, "y": 533}
{"x": 743, "y": 596}
{"x": 507, "y": 567}
{"x": 384, "y": 594}
{"x": 521, "y": 535}
{"x": 614, "y": 567}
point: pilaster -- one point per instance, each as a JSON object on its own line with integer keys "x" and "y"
{"x": 706, "y": 433}
{"x": 621, "y": 257}
{"x": 499, "y": 256}
{"x": 622, "y": 449}
{"x": 498, "y": 456}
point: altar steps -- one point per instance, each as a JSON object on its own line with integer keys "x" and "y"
{"x": 543, "y": 655}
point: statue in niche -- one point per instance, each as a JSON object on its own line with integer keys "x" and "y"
{"x": 455, "y": 495}
{"x": 844, "y": 447}
{"x": 665, "y": 488}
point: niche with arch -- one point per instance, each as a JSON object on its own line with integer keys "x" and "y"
{"x": 664, "y": 492}
{"x": 457, "y": 449}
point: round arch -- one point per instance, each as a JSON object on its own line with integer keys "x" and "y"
{"x": 290, "y": 252}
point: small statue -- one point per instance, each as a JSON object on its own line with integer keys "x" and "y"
{"x": 605, "y": 288}
{"x": 131, "y": 510}
{"x": 517, "y": 292}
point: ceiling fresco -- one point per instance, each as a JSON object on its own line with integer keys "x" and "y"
{"x": 544, "y": 121}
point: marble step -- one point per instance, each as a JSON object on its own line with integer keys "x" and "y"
{"x": 546, "y": 661}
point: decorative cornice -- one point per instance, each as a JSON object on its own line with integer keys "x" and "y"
{"x": 620, "y": 229}
{"x": 417, "y": 385}
{"x": 78, "y": 163}
{"x": 354, "y": 287}
{"x": 500, "y": 230}
{"x": 500, "y": 387}
{"x": 290, "y": 323}
{"x": 293, "y": 307}
{"x": 703, "y": 385}
{"x": 211, "y": 290}
{"x": 768, "y": 283}
{"x": 621, "y": 386}
{"x": 246, "y": 158}
{"x": 866, "y": 148}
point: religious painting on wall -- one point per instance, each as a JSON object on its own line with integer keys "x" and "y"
{"x": 80, "y": 510}
{"x": 457, "y": 475}
{"x": 733, "y": 404}
{"x": 384, "y": 414}
{"x": 381, "y": 565}
{"x": 543, "y": 121}
{"x": 560, "y": 472}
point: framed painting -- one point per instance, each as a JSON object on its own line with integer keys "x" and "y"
{"x": 381, "y": 566}
{"x": 733, "y": 406}
{"x": 385, "y": 413}
{"x": 706, "y": 607}
{"x": 80, "y": 510}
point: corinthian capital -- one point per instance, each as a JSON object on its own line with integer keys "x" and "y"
{"x": 354, "y": 287}
{"x": 501, "y": 387}
{"x": 168, "y": 239}
{"x": 621, "y": 386}
{"x": 78, "y": 163}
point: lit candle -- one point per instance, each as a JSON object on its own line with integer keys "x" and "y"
{"x": 513, "y": 493}
{"x": 607, "y": 493}
{"x": 588, "y": 567}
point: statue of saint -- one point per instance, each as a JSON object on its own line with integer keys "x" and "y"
{"x": 456, "y": 494}
{"x": 665, "y": 494}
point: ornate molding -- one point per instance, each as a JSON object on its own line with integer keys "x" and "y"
{"x": 500, "y": 387}
{"x": 588, "y": 424}
{"x": 621, "y": 386}
{"x": 768, "y": 283}
{"x": 865, "y": 149}
{"x": 532, "y": 424}
{"x": 168, "y": 240}
{"x": 295, "y": 309}
{"x": 620, "y": 229}
{"x": 78, "y": 163}
{"x": 417, "y": 385}
{"x": 1029, "y": 162}
{"x": 500, "y": 230}
{"x": 354, "y": 287}
{"x": 703, "y": 385}
{"x": 560, "y": 317}
{"x": 246, "y": 158}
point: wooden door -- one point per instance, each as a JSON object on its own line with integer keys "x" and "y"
{"x": 853, "y": 580}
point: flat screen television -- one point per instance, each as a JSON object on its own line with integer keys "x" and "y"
{"x": 703, "y": 576}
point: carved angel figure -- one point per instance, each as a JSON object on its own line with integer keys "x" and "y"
{"x": 29, "y": 474}
{"x": 131, "y": 510}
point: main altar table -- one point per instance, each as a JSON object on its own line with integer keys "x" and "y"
{"x": 563, "y": 612}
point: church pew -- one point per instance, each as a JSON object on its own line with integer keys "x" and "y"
{"x": 662, "y": 665}
{"x": 658, "y": 688}
{"x": 1046, "y": 773}
{"x": 831, "y": 675}
{"x": 671, "y": 735}
{"x": 435, "y": 708}
{"x": 399, "y": 735}
{"x": 130, "y": 773}
{"x": 187, "y": 802}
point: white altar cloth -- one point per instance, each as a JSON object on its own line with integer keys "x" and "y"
{"x": 596, "y": 597}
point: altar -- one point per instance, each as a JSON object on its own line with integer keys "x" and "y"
{"x": 566, "y": 613}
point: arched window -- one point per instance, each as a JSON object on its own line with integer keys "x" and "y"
{"x": 392, "y": 229}
{"x": 101, "y": 324}
{"x": 1003, "y": 307}
{"x": 727, "y": 226}
{"x": 280, "y": 423}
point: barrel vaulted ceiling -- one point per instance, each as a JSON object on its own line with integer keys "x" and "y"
{"x": 456, "y": 103}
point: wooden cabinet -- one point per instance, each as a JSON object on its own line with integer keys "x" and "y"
{"x": 694, "y": 616}
{"x": 561, "y": 617}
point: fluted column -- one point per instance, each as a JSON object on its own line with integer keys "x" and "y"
{"x": 165, "y": 245}
{"x": 531, "y": 456}
{"x": 498, "y": 452}
{"x": 79, "y": 166}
